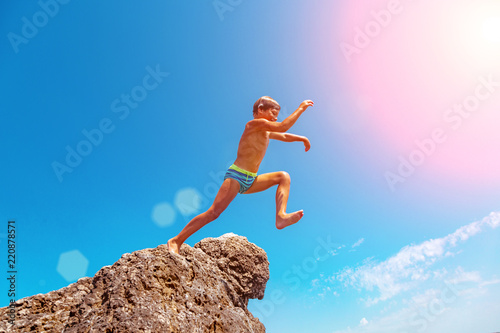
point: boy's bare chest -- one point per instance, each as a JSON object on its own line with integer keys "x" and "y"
{"x": 257, "y": 142}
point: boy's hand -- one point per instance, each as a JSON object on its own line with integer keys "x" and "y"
{"x": 305, "y": 104}
{"x": 307, "y": 144}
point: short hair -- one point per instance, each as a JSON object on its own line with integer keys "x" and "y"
{"x": 265, "y": 103}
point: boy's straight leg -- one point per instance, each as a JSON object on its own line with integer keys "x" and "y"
{"x": 282, "y": 179}
{"x": 227, "y": 192}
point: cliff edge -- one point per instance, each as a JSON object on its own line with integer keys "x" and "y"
{"x": 204, "y": 289}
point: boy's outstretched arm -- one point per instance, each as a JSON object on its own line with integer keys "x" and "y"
{"x": 266, "y": 125}
{"x": 288, "y": 137}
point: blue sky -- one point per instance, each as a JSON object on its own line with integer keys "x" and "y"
{"x": 163, "y": 89}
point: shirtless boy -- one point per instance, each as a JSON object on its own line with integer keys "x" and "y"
{"x": 241, "y": 177}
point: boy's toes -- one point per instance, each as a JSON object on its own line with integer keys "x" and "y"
{"x": 172, "y": 247}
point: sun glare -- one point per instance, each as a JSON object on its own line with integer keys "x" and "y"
{"x": 491, "y": 29}
{"x": 478, "y": 37}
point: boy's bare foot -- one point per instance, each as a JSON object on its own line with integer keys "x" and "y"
{"x": 172, "y": 246}
{"x": 284, "y": 220}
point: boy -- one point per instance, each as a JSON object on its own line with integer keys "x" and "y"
{"x": 241, "y": 177}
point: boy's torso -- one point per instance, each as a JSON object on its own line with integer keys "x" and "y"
{"x": 252, "y": 149}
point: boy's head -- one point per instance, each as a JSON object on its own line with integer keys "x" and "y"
{"x": 264, "y": 104}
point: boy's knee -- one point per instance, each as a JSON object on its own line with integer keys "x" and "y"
{"x": 214, "y": 213}
{"x": 284, "y": 177}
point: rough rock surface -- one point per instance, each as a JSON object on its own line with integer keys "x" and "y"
{"x": 204, "y": 289}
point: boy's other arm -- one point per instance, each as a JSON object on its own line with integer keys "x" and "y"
{"x": 288, "y": 137}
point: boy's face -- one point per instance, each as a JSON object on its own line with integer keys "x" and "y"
{"x": 270, "y": 114}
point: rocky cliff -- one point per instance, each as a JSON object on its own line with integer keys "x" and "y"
{"x": 204, "y": 289}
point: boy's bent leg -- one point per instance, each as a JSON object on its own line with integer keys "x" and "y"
{"x": 227, "y": 192}
{"x": 282, "y": 179}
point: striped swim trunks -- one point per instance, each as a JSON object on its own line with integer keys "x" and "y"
{"x": 245, "y": 178}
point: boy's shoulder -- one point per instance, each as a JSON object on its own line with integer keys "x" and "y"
{"x": 256, "y": 125}
{"x": 258, "y": 121}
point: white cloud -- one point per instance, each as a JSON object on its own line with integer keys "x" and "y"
{"x": 488, "y": 283}
{"x": 418, "y": 313}
{"x": 462, "y": 276}
{"x": 409, "y": 266}
{"x": 438, "y": 298}
{"x": 358, "y": 243}
{"x": 363, "y": 322}
{"x": 437, "y": 310}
